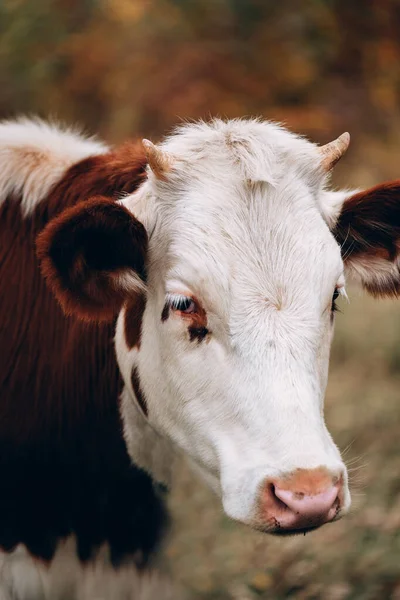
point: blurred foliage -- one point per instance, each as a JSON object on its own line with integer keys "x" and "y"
{"x": 129, "y": 66}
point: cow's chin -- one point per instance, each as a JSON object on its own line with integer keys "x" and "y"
{"x": 273, "y": 528}
{"x": 279, "y": 532}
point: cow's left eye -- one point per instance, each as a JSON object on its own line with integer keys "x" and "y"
{"x": 335, "y": 296}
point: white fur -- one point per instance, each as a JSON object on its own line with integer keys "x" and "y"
{"x": 240, "y": 222}
{"x": 129, "y": 281}
{"x": 331, "y": 203}
{"x": 34, "y": 156}
{"x": 153, "y": 452}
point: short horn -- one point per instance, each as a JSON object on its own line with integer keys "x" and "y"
{"x": 160, "y": 162}
{"x": 331, "y": 153}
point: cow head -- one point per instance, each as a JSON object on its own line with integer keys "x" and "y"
{"x": 225, "y": 267}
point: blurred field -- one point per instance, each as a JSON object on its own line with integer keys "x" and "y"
{"x": 136, "y": 66}
{"x": 130, "y": 67}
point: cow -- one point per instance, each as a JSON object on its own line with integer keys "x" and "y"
{"x": 172, "y": 299}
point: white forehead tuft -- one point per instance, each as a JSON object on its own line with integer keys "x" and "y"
{"x": 242, "y": 204}
{"x": 238, "y": 187}
{"x": 249, "y": 149}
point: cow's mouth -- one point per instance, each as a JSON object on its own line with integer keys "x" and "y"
{"x": 290, "y": 532}
{"x": 277, "y": 530}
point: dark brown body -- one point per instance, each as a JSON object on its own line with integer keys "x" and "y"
{"x": 63, "y": 464}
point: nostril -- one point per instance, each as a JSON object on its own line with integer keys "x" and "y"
{"x": 278, "y": 502}
{"x": 272, "y": 504}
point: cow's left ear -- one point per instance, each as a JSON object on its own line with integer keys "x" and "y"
{"x": 93, "y": 257}
{"x": 368, "y": 231}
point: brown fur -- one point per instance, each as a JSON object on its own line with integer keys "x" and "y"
{"x": 112, "y": 174}
{"x": 138, "y": 391}
{"x": 165, "y": 313}
{"x": 63, "y": 463}
{"x": 198, "y": 323}
{"x": 133, "y": 320}
{"x": 369, "y": 228}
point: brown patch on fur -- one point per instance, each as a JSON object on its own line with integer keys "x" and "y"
{"x": 198, "y": 323}
{"x": 306, "y": 482}
{"x": 138, "y": 391}
{"x": 32, "y": 157}
{"x": 197, "y": 333}
{"x": 133, "y": 320}
{"x": 64, "y": 467}
{"x": 112, "y": 174}
{"x": 83, "y": 252}
{"x": 369, "y": 228}
{"x": 165, "y": 312}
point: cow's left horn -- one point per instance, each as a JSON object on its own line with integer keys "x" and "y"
{"x": 331, "y": 153}
{"x": 160, "y": 162}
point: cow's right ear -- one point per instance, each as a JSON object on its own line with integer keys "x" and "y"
{"x": 93, "y": 258}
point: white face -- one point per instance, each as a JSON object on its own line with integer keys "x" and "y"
{"x": 238, "y": 321}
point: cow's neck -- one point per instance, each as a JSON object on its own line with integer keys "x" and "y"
{"x": 147, "y": 448}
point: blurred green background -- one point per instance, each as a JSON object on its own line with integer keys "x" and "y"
{"x": 124, "y": 68}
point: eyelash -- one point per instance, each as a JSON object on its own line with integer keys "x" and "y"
{"x": 338, "y": 292}
{"x": 181, "y": 303}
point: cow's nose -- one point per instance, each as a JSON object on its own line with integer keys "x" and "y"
{"x": 304, "y": 499}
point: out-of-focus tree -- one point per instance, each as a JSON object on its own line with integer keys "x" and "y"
{"x": 129, "y": 66}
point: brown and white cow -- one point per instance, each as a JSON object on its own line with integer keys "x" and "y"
{"x": 222, "y": 259}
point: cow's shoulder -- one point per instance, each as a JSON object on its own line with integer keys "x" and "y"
{"x": 63, "y": 463}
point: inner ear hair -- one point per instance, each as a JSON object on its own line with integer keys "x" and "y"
{"x": 369, "y": 221}
{"x": 368, "y": 231}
